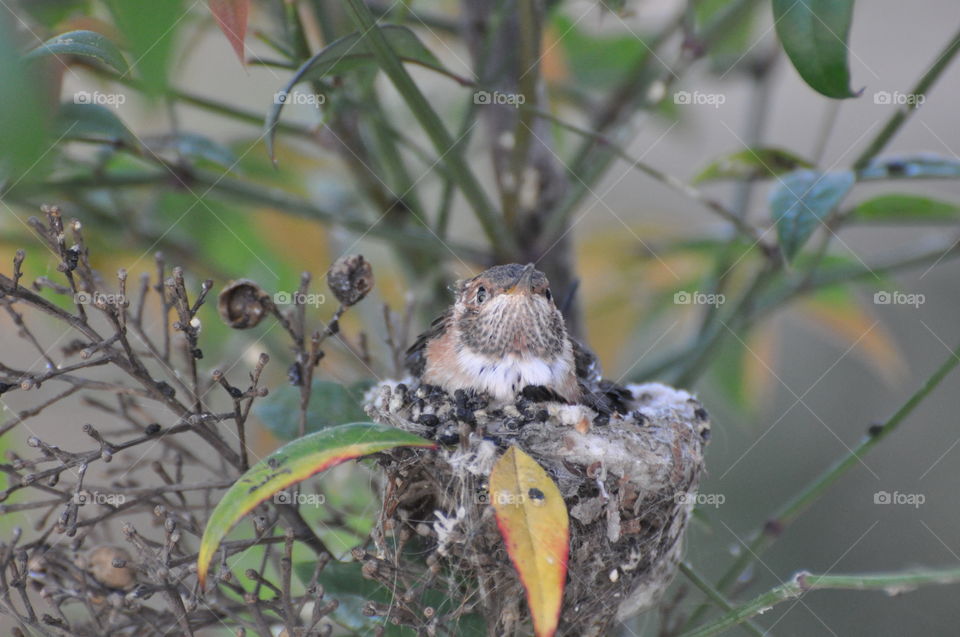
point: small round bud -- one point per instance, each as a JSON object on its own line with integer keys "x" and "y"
{"x": 242, "y": 304}
{"x": 350, "y": 278}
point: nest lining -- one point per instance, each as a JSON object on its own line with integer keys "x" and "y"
{"x": 626, "y": 480}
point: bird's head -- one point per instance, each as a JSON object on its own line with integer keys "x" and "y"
{"x": 509, "y": 309}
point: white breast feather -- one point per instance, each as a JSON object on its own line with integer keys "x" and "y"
{"x": 503, "y": 378}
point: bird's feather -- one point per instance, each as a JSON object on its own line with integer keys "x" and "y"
{"x": 415, "y": 359}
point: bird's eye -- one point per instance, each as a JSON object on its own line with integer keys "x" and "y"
{"x": 548, "y": 294}
{"x": 481, "y": 294}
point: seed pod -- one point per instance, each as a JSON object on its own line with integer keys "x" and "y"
{"x": 350, "y": 279}
{"x": 242, "y": 304}
{"x": 109, "y": 566}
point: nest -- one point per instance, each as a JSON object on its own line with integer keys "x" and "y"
{"x": 628, "y": 481}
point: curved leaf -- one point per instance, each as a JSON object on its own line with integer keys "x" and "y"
{"x": 801, "y": 200}
{"x": 752, "y": 163}
{"x": 231, "y": 16}
{"x": 904, "y": 208}
{"x": 84, "y": 43}
{"x": 348, "y": 53}
{"x": 814, "y": 34}
{"x": 293, "y": 463}
{"x": 533, "y": 521}
{"x": 93, "y": 121}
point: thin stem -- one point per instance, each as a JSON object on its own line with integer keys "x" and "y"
{"x": 900, "y": 116}
{"x": 787, "y": 513}
{"x": 502, "y": 242}
{"x": 716, "y": 596}
{"x": 803, "y": 582}
{"x": 668, "y": 180}
{"x": 262, "y": 195}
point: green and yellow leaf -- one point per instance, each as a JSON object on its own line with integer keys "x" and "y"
{"x": 293, "y": 463}
{"x": 533, "y": 521}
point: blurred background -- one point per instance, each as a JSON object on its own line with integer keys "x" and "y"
{"x": 789, "y": 396}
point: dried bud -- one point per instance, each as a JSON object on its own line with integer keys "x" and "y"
{"x": 102, "y": 563}
{"x": 242, "y": 304}
{"x": 350, "y": 279}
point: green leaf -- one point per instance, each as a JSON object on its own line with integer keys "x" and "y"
{"x": 331, "y": 404}
{"x": 346, "y": 54}
{"x": 150, "y": 35}
{"x": 92, "y": 121}
{"x": 801, "y": 200}
{"x": 25, "y": 150}
{"x": 918, "y": 166}
{"x": 83, "y": 43}
{"x": 732, "y": 46}
{"x": 596, "y": 61}
{"x": 752, "y": 163}
{"x": 203, "y": 148}
{"x": 294, "y": 462}
{"x": 814, "y": 34}
{"x": 904, "y": 208}
{"x": 52, "y": 12}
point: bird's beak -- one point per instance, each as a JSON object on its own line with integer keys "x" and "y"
{"x": 522, "y": 286}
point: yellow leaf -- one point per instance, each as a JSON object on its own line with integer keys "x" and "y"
{"x": 533, "y": 521}
{"x": 855, "y": 327}
{"x": 760, "y": 364}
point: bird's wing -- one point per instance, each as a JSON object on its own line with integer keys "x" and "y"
{"x": 416, "y": 356}
{"x": 586, "y": 364}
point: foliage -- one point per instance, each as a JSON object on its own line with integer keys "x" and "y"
{"x": 392, "y": 158}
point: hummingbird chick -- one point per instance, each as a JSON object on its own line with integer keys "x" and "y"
{"x": 503, "y": 333}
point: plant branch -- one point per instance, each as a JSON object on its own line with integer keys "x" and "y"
{"x": 900, "y": 116}
{"x": 803, "y": 582}
{"x": 502, "y": 242}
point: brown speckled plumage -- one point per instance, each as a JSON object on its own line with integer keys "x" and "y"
{"x": 502, "y": 334}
